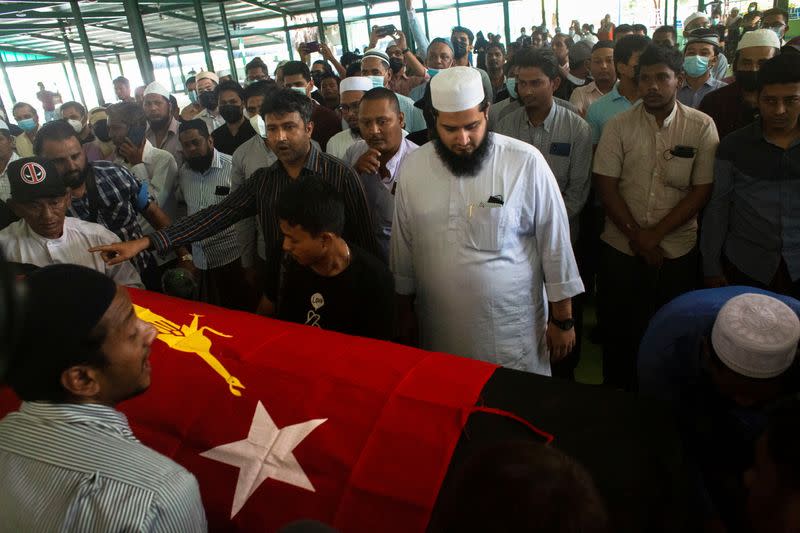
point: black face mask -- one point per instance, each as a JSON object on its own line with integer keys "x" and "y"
{"x": 395, "y": 63}
{"x": 200, "y": 163}
{"x": 459, "y": 50}
{"x": 231, "y": 113}
{"x": 317, "y": 77}
{"x": 100, "y": 129}
{"x": 747, "y": 79}
{"x": 208, "y": 99}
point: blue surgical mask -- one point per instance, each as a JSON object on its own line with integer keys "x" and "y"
{"x": 778, "y": 31}
{"x": 377, "y": 81}
{"x": 433, "y": 72}
{"x": 301, "y": 90}
{"x": 192, "y": 96}
{"x": 695, "y": 66}
{"x": 27, "y": 124}
{"x": 511, "y": 85}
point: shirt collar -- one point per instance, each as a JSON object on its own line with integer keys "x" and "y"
{"x": 547, "y": 124}
{"x": 44, "y": 240}
{"x": 391, "y": 165}
{"x": 13, "y": 157}
{"x": 73, "y": 413}
{"x": 577, "y": 81}
{"x": 667, "y": 121}
{"x": 312, "y": 161}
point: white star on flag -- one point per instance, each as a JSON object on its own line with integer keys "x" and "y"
{"x": 265, "y": 453}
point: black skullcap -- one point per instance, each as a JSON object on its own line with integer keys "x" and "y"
{"x": 32, "y": 178}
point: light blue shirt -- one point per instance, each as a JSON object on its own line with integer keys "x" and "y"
{"x": 604, "y": 109}
{"x": 415, "y": 120}
{"x": 692, "y": 98}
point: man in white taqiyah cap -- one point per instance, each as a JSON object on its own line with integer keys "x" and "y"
{"x": 351, "y": 90}
{"x": 481, "y": 238}
{"x": 162, "y": 128}
{"x": 208, "y": 98}
{"x": 694, "y": 21}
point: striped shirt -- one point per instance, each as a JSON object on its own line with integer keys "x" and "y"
{"x": 78, "y": 467}
{"x": 116, "y": 207}
{"x": 201, "y": 190}
{"x": 259, "y": 196}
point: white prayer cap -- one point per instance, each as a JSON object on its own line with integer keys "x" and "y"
{"x": 156, "y": 88}
{"x": 456, "y": 89}
{"x": 756, "y": 335}
{"x": 203, "y": 74}
{"x": 759, "y": 38}
{"x": 355, "y": 83}
{"x": 376, "y": 53}
{"x": 694, "y": 16}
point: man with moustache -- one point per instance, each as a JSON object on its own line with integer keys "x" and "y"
{"x": 601, "y": 68}
{"x": 162, "y": 127}
{"x": 351, "y": 91}
{"x": 379, "y": 156}
{"x": 480, "y": 239}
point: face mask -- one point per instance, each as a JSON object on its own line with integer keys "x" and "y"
{"x": 27, "y": 124}
{"x": 77, "y": 125}
{"x": 511, "y": 85}
{"x": 571, "y": 33}
{"x": 714, "y": 22}
{"x": 100, "y": 130}
{"x": 459, "y": 50}
{"x": 259, "y": 125}
{"x": 301, "y": 90}
{"x": 396, "y": 64}
{"x": 747, "y": 79}
{"x": 695, "y": 66}
{"x": 231, "y": 113}
{"x": 317, "y": 77}
{"x": 377, "y": 81}
{"x": 433, "y": 72}
{"x": 778, "y": 31}
{"x": 192, "y": 96}
{"x": 208, "y": 99}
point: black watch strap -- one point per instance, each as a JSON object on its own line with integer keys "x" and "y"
{"x": 564, "y": 325}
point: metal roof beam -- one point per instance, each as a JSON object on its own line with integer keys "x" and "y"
{"x": 265, "y": 5}
{"x": 73, "y": 41}
{"x": 17, "y": 7}
{"x": 15, "y": 49}
{"x": 55, "y": 15}
{"x": 28, "y": 28}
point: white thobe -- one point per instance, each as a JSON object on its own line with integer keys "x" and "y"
{"x": 23, "y": 245}
{"x": 483, "y": 272}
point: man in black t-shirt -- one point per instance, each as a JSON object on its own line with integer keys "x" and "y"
{"x": 324, "y": 281}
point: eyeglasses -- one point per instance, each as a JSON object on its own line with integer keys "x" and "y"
{"x": 773, "y": 26}
{"x": 345, "y": 108}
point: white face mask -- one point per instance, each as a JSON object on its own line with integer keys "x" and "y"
{"x": 259, "y": 125}
{"x": 77, "y": 125}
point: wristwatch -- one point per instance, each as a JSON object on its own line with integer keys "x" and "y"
{"x": 563, "y": 325}
{"x": 406, "y": 50}
{"x": 186, "y": 257}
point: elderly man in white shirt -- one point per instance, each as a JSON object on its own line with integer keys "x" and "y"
{"x": 378, "y": 157}
{"x": 351, "y": 90}
{"x": 480, "y": 240}
{"x": 45, "y": 235}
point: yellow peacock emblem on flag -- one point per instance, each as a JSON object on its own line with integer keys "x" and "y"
{"x": 190, "y": 339}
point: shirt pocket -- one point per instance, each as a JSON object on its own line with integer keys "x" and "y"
{"x": 486, "y": 227}
{"x": 678, "y": 172}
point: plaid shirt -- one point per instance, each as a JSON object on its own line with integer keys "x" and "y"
{"x": 118, "y": 191}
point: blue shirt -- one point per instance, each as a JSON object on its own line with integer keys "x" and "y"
{"x": 604, "y": 109}
{"x": 753, "y": 216}
{"x": 692, "y": 98}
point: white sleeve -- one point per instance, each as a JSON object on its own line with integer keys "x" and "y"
{"x": 401, "y": 259}
{"x": 246, "y": 228}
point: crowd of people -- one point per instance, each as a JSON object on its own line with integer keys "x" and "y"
{"x": 467, "y": 197}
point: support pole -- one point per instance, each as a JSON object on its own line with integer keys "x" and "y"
{"x": 343, "y": 27}
{"x": 69, "y": 82}
{"x": 458, "y": 13}
{"x": 369, "y": 21}
{"x": 507, "y": 22}
{"x": 544, "y": 16}
{"x": 139, "y": 39}
{"x": 6, "y": 79}
{"x": 674, "y": 13}
{"x": 666, "y": 12}
{"x": 169, "y": 71}
{"x": 558, "y": 20}
{"x": 87, "y": 48}
{"x": 288, "y": 37}
{"x": 229, "y": 47}
{"x": 425, "y": 18}
{"x": 71, "y": 58}
{"x": 119, "y": 65}
{"x": 320, "y": 25}
{"x": 405, "y": 25}
{"x": 201, "y": 26}
{"x": 180, "y": 66}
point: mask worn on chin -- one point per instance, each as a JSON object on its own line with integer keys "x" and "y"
{"x": 77, "y": 125}
{"x": 747, "y": 79}
{"x": 209, "y": 99}
{"x": 231, "y": 113}
{"x": 511, "y": 85}
{"x": 433, "y": 72}
{"x": 459, "y": 50}
{"x": 396, "y": 64}
{"x": 695, "y": 66}
{"x": 200, "y": 163}
{"x": 301, "y": 90}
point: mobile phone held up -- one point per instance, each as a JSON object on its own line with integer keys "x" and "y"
{"x": 312, "y": 46}
{"x": 385, "y": 31}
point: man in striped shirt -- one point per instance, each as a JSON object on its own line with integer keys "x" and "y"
{"x": 289, "y": 127}
{"x": 205, "y": 179}
{"x": 68, "y": 458}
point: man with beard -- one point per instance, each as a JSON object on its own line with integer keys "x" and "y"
{"x": 103, "y": 192}
{"x": 75, "y": 114}
{"x": 162, "y": 127}
{"x": 653, "y": 171}
{"x": 237, "y": 129}
{"x": 68, "y": 449}
{"x": 126, "y": 126}
{"x": 736, "y": 105}
{"x": 351, "y": 91}
{"x": 208, "y": 98}
{"x": 402, "y": 61}
{"x": 375, "y": 67}
{"x": 289, "y": 126}
{"x": 601, "y": 68}
{"x": 480, "y": 240}
{"x": 379, "y": 157}
{"x": 205, "y": 180}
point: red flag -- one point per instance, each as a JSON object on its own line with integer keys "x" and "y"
{"x": 281, "y": 422}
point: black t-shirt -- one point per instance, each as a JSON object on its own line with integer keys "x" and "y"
{"x": 358, "y": 301}
{"x": 227, "y": 143}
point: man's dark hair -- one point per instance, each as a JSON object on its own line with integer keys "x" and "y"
{"x": 20, "y": 105}
{"x": 348, "y": 58}
{"x": 463, "y": 29}
{"x": 256, "y": 62}
{"x": 353, "y": 69}
{"x": 784, "y": 68}
{"x": 783, "y": 441}
{"x": 76, "y": 105}
{"x": 568, "y": 42}
{"x": 194, "y": 124}
{"x": 189, "y": 81}
{"x": 543, "y": 59}
{"x": 579, "y": 53}
{"x": 123, "y": 81}
{"x": 285, "y": 101}
{"x": 382, "y": 93}
{"x": 499, "y": 46}
{"x": 523, "y": 486}
{"x": 623, "y": 28}
{"x": 776, "y": 11}
{"x": 660, "y": 55}
{"x": 129, "y": 113}
{"x": 327, "y": 75}
{"x": 639, "y": 27}
{"x": 173, "y": 102}
{"x": 600, "y": 45}
{"x": 629, "y": 45}
{"x": 55, "y": 130}
{"x": 230, "y": 85}
{"x": 259, "y": 88}
{"x": 292, "y": 68}
{"x": 668, "y": 29}
{"x": 312, "y": 204}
